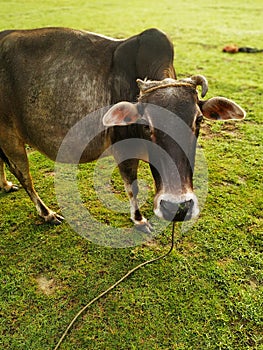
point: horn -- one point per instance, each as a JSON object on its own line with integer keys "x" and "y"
{"x": 141, "y": 84}
{"x": 200, "y": 80}
{"x": 145, "y": 85}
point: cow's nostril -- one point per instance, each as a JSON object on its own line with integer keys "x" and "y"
{"x": 186, "y": 205}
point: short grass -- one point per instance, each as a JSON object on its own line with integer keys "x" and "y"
{"x": 208, "y": 293}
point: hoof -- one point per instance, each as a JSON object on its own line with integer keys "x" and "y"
{"x": 144, "y": 226}
{"x": 14, "y": 188}
{"x": 54, "y": 219}
{"x": 10, "y": 188}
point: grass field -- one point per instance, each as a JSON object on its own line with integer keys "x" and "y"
{"x": 208, "y": 293}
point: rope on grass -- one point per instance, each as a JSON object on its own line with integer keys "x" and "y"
{"x": 112, "y": 287}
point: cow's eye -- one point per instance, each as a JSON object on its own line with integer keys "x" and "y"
{"x": 146, "y": 129}
{"x": 199, "y": 120}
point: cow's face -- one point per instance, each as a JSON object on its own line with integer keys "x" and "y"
{"x": 174, "y": 128}
{"x": 171, "y": 114}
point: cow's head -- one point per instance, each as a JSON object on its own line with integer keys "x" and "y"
{"x": 171, "y": 113}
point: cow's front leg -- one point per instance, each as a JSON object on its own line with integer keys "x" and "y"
{"x": 128, "y": 170}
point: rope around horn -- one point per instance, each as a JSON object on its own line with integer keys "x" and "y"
{"x": 113, "y": 286}
{"x": 163, "y": 86}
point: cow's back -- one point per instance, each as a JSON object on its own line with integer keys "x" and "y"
{"x": 50, "y": 79}
{"x": 57, "y": 63}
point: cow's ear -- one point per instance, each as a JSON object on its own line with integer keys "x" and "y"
{"x": 121, "y": 114}
{"x": 221, "y": 108}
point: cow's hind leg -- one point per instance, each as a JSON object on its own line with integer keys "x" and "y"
{"x": 128, "y": 170}
{"x": 17, "y": 162}
{"x": 7, "y": 186}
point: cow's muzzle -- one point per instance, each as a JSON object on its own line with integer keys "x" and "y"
{"x": 177, "y": 210}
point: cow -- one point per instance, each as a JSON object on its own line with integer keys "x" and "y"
{"x": 51, "y": 78}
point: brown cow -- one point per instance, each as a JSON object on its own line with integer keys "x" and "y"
{"x": 52, "y": 78}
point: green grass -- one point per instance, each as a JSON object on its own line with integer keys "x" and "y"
{"x": 208, "y": 293}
